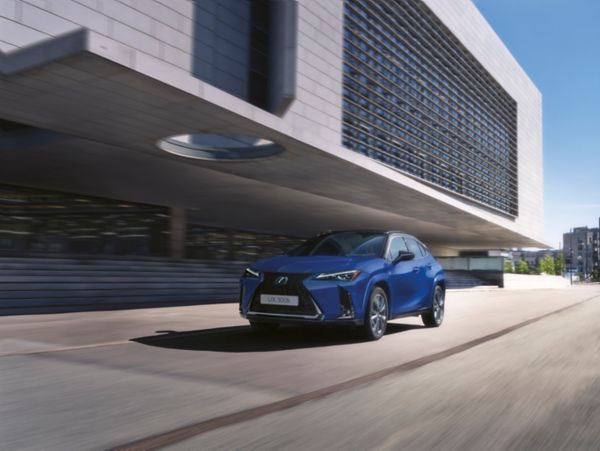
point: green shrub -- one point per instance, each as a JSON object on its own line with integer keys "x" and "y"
{"x": 522, "y": 267}
{"x": 559, "y": 264}
{"x": 546, "y": 265}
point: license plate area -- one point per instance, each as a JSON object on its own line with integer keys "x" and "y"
{"x": 279, "y": 299}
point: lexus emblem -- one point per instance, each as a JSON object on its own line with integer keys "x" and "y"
{"x": 281, "y": 280}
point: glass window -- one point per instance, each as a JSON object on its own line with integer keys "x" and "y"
{"x": 48, "y": 222}
{"x": 397, "y": 244}
{"x": 424, "y": 249}
{"x": 414, "y": 247}
{"x": 343, "y": 244}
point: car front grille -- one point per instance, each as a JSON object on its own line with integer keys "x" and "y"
{"x": 293, "y": 287}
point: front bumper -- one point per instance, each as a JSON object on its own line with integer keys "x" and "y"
{"x": 296, "y": 320}
{"x": 320, "y": 302}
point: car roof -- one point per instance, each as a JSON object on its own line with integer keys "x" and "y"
{"x": 387, "y": 232}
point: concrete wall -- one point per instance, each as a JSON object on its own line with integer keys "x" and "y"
{"x": 205, "y": 37}
{"x": 161, "y": 28}
{"x": 530, "y": 282}
{"x": 318, "y": 106}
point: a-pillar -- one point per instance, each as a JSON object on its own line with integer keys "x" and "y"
{"x": 177, "y": 229}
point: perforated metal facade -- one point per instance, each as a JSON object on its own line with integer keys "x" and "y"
{"x": 415, "y": 99}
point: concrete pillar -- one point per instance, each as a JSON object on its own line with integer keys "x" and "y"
{"x": 177, "y": 228}
{"x": 230, "y": 245}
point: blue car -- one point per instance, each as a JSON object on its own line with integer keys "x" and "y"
{"x": 360, "y": 278}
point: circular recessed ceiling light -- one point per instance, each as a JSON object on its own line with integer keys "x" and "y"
{"x": 218, "y": 147}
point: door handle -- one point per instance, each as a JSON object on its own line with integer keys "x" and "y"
{"x": 416, "y": 269}
{"x": 429, "y": 266}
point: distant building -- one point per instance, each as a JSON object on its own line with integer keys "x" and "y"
{"x": 582, "y": 250}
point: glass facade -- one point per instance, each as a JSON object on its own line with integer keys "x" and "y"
{"x": 46, "y": 222}
{"x": 36, "y": 222}
{"x": 211, "y": 243}
{"x": 416, "y": 100}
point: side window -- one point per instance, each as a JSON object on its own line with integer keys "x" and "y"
{"x": 424, "y": 249}
{"x": 397, "y": 244}
{"x": 414, "y": 247}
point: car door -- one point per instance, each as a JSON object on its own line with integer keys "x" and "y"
{"x": 402, "y": 279}
{"x": 421, "y": 267}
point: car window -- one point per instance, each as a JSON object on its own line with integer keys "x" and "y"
{"x": 368, "y": 244}
{"x": 413, "y": 246}
{"x": 371, "y": 247}
{"x": 328, "y": 247}
{"x": 424, "y": 249}
{"x": 397, "y": 244}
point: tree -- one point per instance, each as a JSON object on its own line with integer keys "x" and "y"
{"x": 546, "y": 265}
{"x": 522, "y": 267}
{"x": 559, "y": 264}
{"x": 508, "y": 266}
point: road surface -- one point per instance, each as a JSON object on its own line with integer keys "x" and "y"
{"x": 502, "y": 372}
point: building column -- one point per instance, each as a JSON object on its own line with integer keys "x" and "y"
{"x": 177, "y": 229}
{"x": 230, "y": 245}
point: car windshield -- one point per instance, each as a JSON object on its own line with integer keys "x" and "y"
{"x": 366, "y": 244}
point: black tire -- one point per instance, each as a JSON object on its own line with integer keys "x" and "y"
{"x": 263, "y": 327}
{"x": 435, "y": 316}
{"x": 376, "y": 314}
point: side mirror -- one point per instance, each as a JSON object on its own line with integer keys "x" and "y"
{"x": 403, "y": 256}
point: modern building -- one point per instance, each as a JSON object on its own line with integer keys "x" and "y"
{"x": 228, "y": 128}
{"x": 582, "y": 250}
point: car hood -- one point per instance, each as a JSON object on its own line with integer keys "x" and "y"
{"x": 315, "y": 264}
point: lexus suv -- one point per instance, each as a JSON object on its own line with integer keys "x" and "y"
{"x": 360, "y": 278}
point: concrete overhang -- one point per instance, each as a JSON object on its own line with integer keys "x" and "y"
{"x": 113, "y": 105}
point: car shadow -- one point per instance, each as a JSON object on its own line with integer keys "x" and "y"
{"x": 244, "y": 339}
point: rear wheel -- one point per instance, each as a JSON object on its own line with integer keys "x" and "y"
{"x": 263, "y": 327}
{"x": 376, "y": 314}
{"x": 435, "y": 316}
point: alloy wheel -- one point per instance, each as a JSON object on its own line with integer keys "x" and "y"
{"x": 378, "y": 314}
{"x": 438, "y": 306}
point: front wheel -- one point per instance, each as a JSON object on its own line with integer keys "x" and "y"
{"x": 435, "y": 316}
{"x": 376, "y": 314}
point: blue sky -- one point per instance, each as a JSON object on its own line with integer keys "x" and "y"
{"x": 557, "y": 42}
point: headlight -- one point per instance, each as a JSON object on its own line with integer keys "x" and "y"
{"x": 251, "y": 274}
{"x": 343, "y": 276}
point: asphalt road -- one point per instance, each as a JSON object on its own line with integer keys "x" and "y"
{"x": 497, "y": 379}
